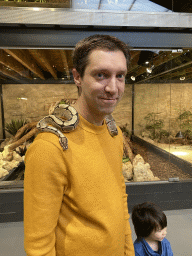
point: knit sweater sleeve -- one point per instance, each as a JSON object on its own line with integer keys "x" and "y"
{"x": 44, "y": 185}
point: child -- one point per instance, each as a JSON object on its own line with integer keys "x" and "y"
{"x": 150, "y": 224}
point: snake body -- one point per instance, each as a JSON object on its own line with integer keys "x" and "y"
{"x": 111, "y": 125}
{"x": 65, "y": 119}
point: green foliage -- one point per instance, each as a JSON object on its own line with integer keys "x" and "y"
{"x": 126, "y": 159}
{"x": 188, "y": 134}
{"x": 14, "y": 126}
{"x": 186, "y": 120}
{"x": 163, "y": 133}
{"x": 153, "y": 125}
{"x": 62, "y": 102}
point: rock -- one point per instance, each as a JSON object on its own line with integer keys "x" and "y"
{"x": 8, "y": 161}
{"x": 145, "y": 134}
{"x": 138, "y": 159}
{"x": 142, "y": 171}
{"x": 127, "y": 171}
{"x": 10, "y": 165}
{"x": 7, "y": 155}
{"x": 17, "y": 157}
{"x": 3, "y": 172}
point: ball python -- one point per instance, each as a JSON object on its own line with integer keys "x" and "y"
{"x": 65, "y": 118}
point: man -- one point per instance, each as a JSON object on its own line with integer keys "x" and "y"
{"x": 74, "y": 201}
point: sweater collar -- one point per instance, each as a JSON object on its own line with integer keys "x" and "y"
{"x": 84, "y": 124}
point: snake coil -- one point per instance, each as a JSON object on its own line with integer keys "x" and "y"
{"x": 65, "y": 118}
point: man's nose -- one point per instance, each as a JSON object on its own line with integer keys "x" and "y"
{"x": 111, "y": 86}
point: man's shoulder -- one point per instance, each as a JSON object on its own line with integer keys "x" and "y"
{"x": 46, "y": 139}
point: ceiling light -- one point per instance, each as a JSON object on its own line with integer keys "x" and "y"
{"x": 149, "y": 70}
{"x": 177, "y": 50}
{"x": 21, "y": 98}
{"x": 133, "y": 78}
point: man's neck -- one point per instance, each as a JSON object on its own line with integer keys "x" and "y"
{"x": 94, "y": 119}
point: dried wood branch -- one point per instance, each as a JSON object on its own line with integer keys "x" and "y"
{"x": 23, "y": 139}
{"x": 24, "y": 128}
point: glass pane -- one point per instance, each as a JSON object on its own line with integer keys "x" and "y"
{"x": 120, "y": 5}
{"x": 32, "y": 82}
{"x": 162, "y": 111}
{"x": 113, "y": 5}
{"x": 106, "y": 5}
{"x": 153, "y": 114}
{"x": 37, "y": 3}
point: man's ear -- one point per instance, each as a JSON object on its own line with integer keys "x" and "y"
{"x": 76, "y": 77}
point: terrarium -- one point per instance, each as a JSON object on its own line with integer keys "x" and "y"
{"x": 155, "y": 114}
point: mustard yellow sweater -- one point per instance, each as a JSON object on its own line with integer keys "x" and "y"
{"x": 74, "y": 201}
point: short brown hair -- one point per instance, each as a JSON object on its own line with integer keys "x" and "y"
{"x": 84, "y": 47}
{"x": 146, "y": 218}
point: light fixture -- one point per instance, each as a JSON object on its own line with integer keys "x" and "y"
{"x": 177, "y": 50}
{"x": 133, "y": 78}
{"x": 22, "y": 98}
{"x": 149, "y": 70}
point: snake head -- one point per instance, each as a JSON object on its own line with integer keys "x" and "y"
{"x": 63, "y": 142}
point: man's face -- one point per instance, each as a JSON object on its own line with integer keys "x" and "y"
{"x": 103, "y": 82}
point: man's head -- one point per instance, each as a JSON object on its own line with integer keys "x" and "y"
{"x": 101, "y": 42}
{"x": 100, "y": 67}
{"x": 148, "y": 217}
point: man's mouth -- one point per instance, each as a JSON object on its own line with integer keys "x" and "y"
{"x": 109, "y": 99}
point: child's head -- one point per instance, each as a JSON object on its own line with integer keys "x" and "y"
{"x": 148, "y": 218}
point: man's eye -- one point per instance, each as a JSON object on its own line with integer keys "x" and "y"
{"x": 100, "y": 75}
{"x": 121, "y": 76}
